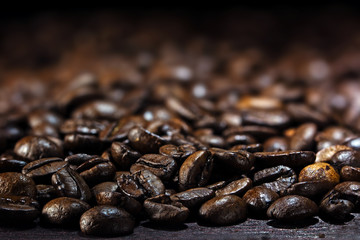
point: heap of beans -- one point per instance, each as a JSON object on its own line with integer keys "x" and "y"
{"x": 182, "y": 135}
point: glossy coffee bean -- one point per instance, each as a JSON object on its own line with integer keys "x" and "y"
{"x": 79, "y": 143}
{"x": 162, "y": 166}
{"x": 105, "y": 187}
{"x": 44, "y": 193}
{"x": 303, "y": 138}
{"x": 239, "y": 160}
{"x": 33, "y": 148}
{"x": 238, "y": 187}
{"x": 223, "y": 210}
{"x": 259, "y": 199}
{"x": 349, "y": 173}
{"x": 309, "y": 189}
{"x": 319, "y": 172}
{"x": 42, "y": 169}
{"x": 164, "y": 210}
{"x": 13, "y": 183}
{"x": 276, "y": 179}
{"x": 123, "y": 155}
{"x": 196, "y": 170}
{"x": 292, "y": 208}
{"x": 345, "y": 158}
{"x": 333, "y": 208}
{"x": 179, "y": 153}
{"x": 293, "y": 159}
{"x": 64, "y": 211}
{"x": 118, "y": 199}
{"x": 276, "y": 144}
{"x": 11, "y": 165}
{"x": 68, "y": 183}
{"x": 326, "y": 154}
{"x": 106, "y": 221}
{"x": 145, "y": 141}
{"x": 193, "y": 197}
{"x": 96, "y": 170}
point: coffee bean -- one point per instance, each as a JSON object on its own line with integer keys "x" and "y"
{"x": 78, "y": 159}
{"x": 303, "y": 113}
{"x": 106, "y": 221}
{"x": 141, "y": 184}
{"x": 179, "y": 153}
{"x": 257, "y": 132}
{"x": 276, "y": 178}
{"x": 162, "y": 166}
{"x": 236, "y": 139}
{"x": 18, "y": 213}
{"x": 293, "y": 159}
{"x": 68, "y": 183}
{"x": 119, "y": 199}
{"x": 309, "y": 189}
{"x": 13, "y": 183}
{"x": 336, "y": 210}
{"x": 96, "y": 170}
{"x": 326, "y": 154}
{"x": 303, "y": 138}
{"x": 123, "y": 155}
{"x": 105, "y": 187}
{"x": 193, "y": 197}
{"x": 217, "y": 185}
{"x": 45, "y": 193}
{"x": 42, "y": 169}
{"x": 238, "y": 187}
{"x": 353, "y": 143}
{"x": 223, "y": 210}
{"x": 345, "y": 158}
{"x": 11, "y": 165}
{"x": 196, "y": 170}
{"x": 275, "y": 144}
{"x": 145, "y": 141}
{"x": 259, "y": 199}
{"x": 292, "y": 208}
{"x": 267, "y": 118}
{"x": 251, "y": 148}
{"x": 33, "y": 148}
{"x": 164, "y": 210}
{"x": 64, "y": 211}
{"x": 319, "y": 172}
{"x": 79, "y": 143}
{"x": 99, "y": 110}
{"x": 349, "y": 173}
{"x": 238, "y": 160}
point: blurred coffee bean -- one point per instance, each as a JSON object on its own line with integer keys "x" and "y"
{"x": 33, "y": 148}
{"x": 276, "y": 144}
{"x": 290, "y": 158}
{"x": 303, "y": 138}
{"x": 326, "y": 154}
{"x": 13, "y": 183}
{"x": 345, "y": 158}
{"x": 239, "y": 160}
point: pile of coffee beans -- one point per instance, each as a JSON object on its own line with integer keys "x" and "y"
{"x": 187, "y": 132}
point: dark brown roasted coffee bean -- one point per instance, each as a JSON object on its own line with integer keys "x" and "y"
{"x": 11, "y": 165}
{"x": 292, "y": 208}
{"x": 276, "y": 144}
{"x": 236, "y": 139}
{"x": 238, "y": 160}
{"x": 193, "y": 197}
{"x": 105, "y": 187}
{"x": 258, "y": 132}
{"x": 96, "y": 170}
{"x": 123, "y": 155}
{"x": 42, "y": 169}
{"x": 335, "y": 209}
{"x": 309, "y": 189}
{"x": 349, "y": 191}
{"x": 119, "y": 200}
{"x": 212, "y": 141}
{"x": 164, "y": 210}
{"x": 217, "y": 185}
{"x": 106, "y": 221}
{"x": 100, "y": 110}
{"x": 179, "y": 153}
{"x": 33, "y": 148}
{"x": 68, "y": 183}
{"x": 79, "y": 143}
{"x": 141, "y": 184}
{"x": 259, "y": 199}
{"x": 276, "y": 178}
{"x": 64, "y": 211}
{"x": 162, "y": 166}
{"x": 13, "y": 183}
{"x": 345, "y": 158}
{"x": 78, "y": 159}
{"x": 238, "y": 187}
{"x": 319, "y": 172}
{"x": 293, "y": 159}
{"x": 19, "y": 210}
{"x": 145, "y": 141}
{"x": 196, "y": 170}
{"x": 252, "y": 148}
{"x": 82, "y": 126}
{"x": 349, "y": 173}
{"x": 303, "y": 138}
{"x": 223, "y": 210}
{"x": 303, "y": 113}
{"x": 45, "y": 193}
{"x": 268, "y": 118}
{"x": 354, "y": 143}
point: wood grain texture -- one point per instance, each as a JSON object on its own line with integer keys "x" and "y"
{"x": 250, "y": 229}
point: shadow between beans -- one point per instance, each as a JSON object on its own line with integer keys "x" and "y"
{"x": 337, "y": 222}
{"x": 165, "y": 227}
{"x": 16, "y": 226}
{"x": 203, "y": 223}
{"x": 298, "y": 224}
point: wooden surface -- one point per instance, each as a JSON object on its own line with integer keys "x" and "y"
{"x": 250, "y": 229}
